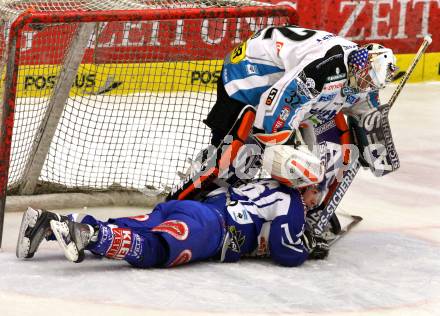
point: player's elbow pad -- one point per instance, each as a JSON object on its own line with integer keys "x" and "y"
{"x": 290, "y": 259}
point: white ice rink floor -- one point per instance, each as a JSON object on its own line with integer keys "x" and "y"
{"x": 388, "y": 265}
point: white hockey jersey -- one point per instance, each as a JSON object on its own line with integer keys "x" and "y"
{"x": 290, "y": 74}
{"x": 263, "y": 218}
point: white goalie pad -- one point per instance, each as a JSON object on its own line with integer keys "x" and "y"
{"x": 295, "y": 167}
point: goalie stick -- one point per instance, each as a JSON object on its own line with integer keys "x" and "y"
{"x": 426, "y": 42}
{"x": 333, "y": 238}
{"x": 335, "y": 196}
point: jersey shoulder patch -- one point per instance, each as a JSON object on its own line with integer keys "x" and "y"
{"x": 239, "y": 53}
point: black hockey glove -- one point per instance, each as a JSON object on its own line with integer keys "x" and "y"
{"x": 316, "y": 246}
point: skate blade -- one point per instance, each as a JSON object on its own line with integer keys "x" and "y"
{"x": 60, "y": 230}
{"x": 28, "y": 220}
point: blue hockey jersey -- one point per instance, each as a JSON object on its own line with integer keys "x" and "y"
{"x": 262, "y": 219}
{"x": 258, "y": 219}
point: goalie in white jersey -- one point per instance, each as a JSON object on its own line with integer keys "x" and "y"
{"x": 292, "y": 74}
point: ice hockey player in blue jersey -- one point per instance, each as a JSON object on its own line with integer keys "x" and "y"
{"x": 263, "y": 219}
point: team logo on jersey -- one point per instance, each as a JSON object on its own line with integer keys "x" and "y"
{"x": 352, "y": 99}
{"x": 175, "y": 228}
{"x": 137, "y": 247}
{"x": 310, "y": 83}
{"x": 347, "y": 47}
{"x": 225, "y": 75}
{"x": 281, "y": 119}
{"x": 140, "y": 218}
{"x": 106, "y": 234}
{"x": 271, "y": 96}
{"x": 325, "y": 37}
{"x": 237, "y": 239}
{"x": 373, "y": 99}
{"x": 239, "y": 53}
{"x": 337, "y": 76}
{"x": 326, "y": 97}
{"x": 263, "y": 247}
{"x": 333, "y": 86}
{"x": 251, "y": 69}
{"x": 322, "y": 128}
{"x": 323, "y": 115}
{"x": 330, "y": 59}
{"x": 238, "y": 213}
{"x": 347, "y": 91}
{"x": 184, "y": 257}
{"x": 279, "y": 46}
{"x": 121, "y": 243}
{"x": 306, "y": 87}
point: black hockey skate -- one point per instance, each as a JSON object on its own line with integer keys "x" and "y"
{"x": 73, "y": 238}
{"x": 35, "y": 225}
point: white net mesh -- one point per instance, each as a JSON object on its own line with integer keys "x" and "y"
{"x": 96, "y": 5}
{"x": 135, "y": 108}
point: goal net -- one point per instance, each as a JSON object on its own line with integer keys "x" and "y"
{"x": 105, "y": 95}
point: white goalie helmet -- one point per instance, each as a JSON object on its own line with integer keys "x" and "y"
{"x": 295, "y": 167}
{"x": 371, "y": 67}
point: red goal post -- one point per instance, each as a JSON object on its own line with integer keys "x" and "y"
{"x": 47, "y": 81}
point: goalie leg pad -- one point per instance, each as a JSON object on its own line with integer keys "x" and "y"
{"x": 220, "y": 163}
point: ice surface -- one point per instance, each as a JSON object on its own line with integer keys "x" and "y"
{"x": 388, "y": 265}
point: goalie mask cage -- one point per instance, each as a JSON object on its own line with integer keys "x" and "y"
{"x": 105, "y": 95}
